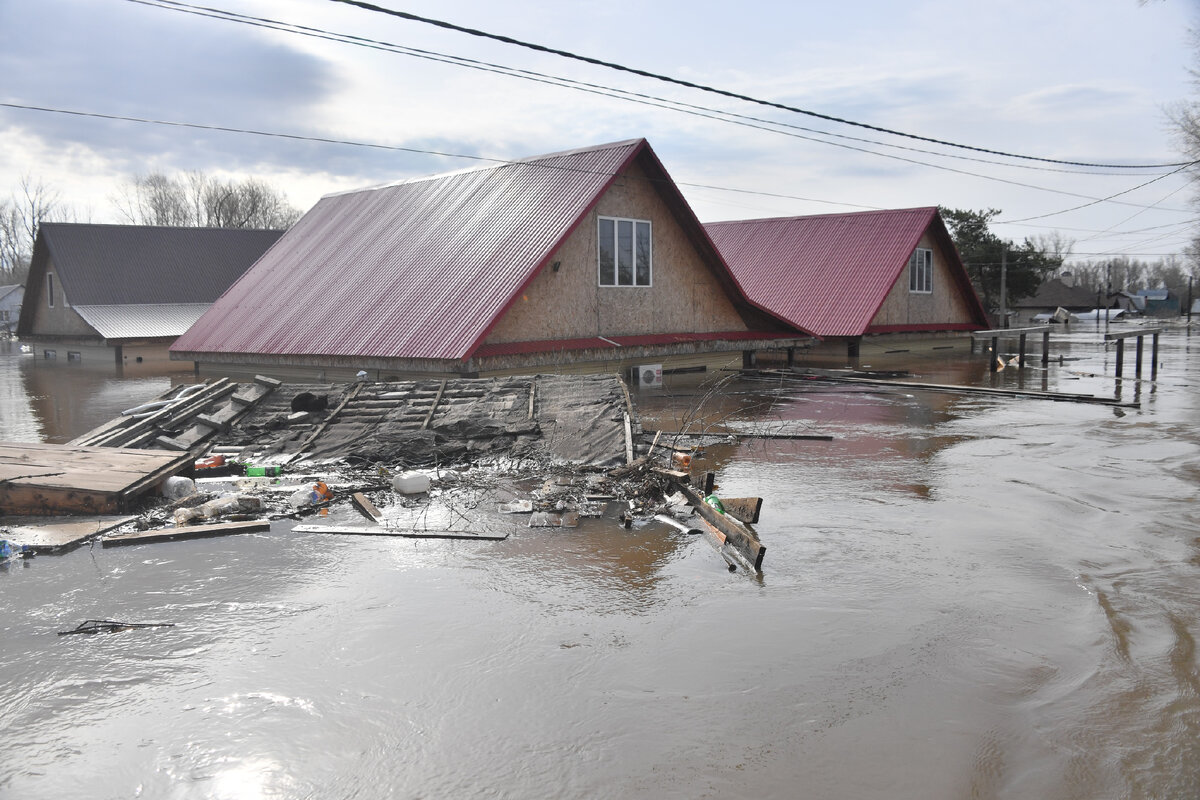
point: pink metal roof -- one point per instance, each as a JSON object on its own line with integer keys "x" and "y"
{"x": 418, "y": 269}
{"x": 830, "y": 274}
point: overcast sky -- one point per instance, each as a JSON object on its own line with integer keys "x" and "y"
{"x": 1073, "y": 80}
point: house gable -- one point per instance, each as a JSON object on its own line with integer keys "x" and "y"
{"x": 944, "y": 307}
{"x": 837, "y": 275}
{"x": 566, "y": 301}
{"x": 39, "y": 315}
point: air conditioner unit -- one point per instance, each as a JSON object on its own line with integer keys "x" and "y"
{"x": 648, "y": 375}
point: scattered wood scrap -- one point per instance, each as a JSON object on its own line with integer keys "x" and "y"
{"x": 186, "y": 532}
{"x": 347, "y": 530}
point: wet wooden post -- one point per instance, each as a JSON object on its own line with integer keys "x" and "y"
{"x": 1137, "y": 360}
{"x": 995, "y": 350}
{"x": 1045, "y": 347}
{"x": 1120, "y": 356}
{"x": 1154, "y": 356}
{"x": 791, "y": 357}
{"x": 749, "y": 359}
{"x": 1021, "y": 352}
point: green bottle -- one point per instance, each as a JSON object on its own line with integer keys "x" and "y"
{"x": 264, "y": 472}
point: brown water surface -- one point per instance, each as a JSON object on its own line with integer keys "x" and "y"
{"x": 963, "y": 597}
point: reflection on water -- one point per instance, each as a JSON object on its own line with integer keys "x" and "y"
{"x": 964, "y": 596}
{"x": 54, "y": 401}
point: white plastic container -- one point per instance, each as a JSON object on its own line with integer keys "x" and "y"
{"x": 178, "y": 487}
{"x": 411, "y": 483}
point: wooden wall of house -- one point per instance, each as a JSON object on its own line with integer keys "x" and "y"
{"x": 62, "y": 320}
{"x": 570, "y": 303}
{"x": 945, "y": 305}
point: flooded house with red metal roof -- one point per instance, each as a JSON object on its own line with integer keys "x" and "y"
{"x": 587, "y": 260}
{"x": 879, "y": 280}
{"x": 105, "y": 294}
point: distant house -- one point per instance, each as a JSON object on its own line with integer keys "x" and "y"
{"x": 856, "y": 277}
{"x": 123, "y": 293}
{"x": 1056, "y": 293}
{"x": 10, "y": 307}
{"x": 1158, "y": 303}
{"x": 584, "y": 261}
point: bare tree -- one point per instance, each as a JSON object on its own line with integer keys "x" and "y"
{"x": 199, "y": 200}
{"x": 20, "y": 217}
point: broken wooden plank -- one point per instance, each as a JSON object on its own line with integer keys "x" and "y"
{"x": 347, "y": 530}
{"x": 516, "y": 507}
{"x": 364, "y": 504}
{"x": 186, "y": 532}
{"x": 167, "y": 443}
{"x": 433, "y": 406}
{"x": 55, "y": 537}
{"x": 744, "y": 509}
{"x": 628, "y": 441}
{"x": 657, "y": 436}
{"x": 743, "y": 539}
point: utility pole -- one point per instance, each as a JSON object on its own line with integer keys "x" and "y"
{"x": 1004, "y": 287}
{"x": 1107, "y": 294}
{"x": 1189, "y": 311}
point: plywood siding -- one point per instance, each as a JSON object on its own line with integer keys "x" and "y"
{"x": 62, "y": 320}
{"x": 570, "y": 303}
{"x": 945, "y": 305}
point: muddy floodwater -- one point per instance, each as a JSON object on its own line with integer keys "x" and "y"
{"x": 963, "y": 597}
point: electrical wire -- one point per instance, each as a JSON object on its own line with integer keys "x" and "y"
{"x": 420, "y": 151}
{"x": 700, "y": 111}
{"x": 725, "y": 93}
{"x": 583, "y": 86}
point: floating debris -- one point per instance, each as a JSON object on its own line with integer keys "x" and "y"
{"x": 112, "y": 626}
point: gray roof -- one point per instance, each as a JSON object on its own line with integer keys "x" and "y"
{"x": 141, "y": 321}
{"x": 5, "y": 291}
{"x": 1056, "y": 294}
{"x": 104, "y": 265}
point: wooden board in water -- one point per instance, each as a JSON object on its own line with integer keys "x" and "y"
{"x": 187, "y": 532}
{"x": 49, "y": 479}
{"x": 60, "y": 535}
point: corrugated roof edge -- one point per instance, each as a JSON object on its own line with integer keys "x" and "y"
{"x": 498, "y": 162}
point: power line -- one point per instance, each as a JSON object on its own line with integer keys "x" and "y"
{"x": 605, "y": 91}
{"x": 420, "y": 151}
{"x": 655, "y": 101}
{"x": 395, "y": 148}
{"x": 1106, "y": 199}
{"x": 725, "y": 93}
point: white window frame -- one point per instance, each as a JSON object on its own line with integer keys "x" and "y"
{"x": 920, "y": 271}
{"x": 638, "y": 228}
{"x": 50, "y": 290}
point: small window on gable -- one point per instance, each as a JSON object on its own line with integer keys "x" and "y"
{"x": 625, "y": 252}
{"x": 920, "y": 271}
{"x": 50, "y": 289}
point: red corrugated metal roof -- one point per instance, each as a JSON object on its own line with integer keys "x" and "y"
{"x": 829, "y": 274}
{"x": 417, "y": 269}
{"x": 423, "y": 268}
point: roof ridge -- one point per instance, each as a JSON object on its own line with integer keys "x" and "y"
{"x": 827, "y": 215}
{"x": 499, "y": 164}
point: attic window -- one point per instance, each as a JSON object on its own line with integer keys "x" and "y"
{"x": 920, "y": 271}
{"x": 50, "y": 289}
{"x": 624, "y": 252}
